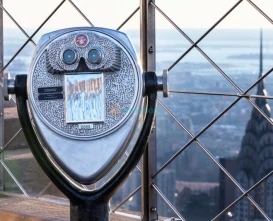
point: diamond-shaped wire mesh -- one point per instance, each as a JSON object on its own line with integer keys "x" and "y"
{"x": 16, "y": 178}
{"x": 243, "y": 191}
{"x": 241, "y": 94}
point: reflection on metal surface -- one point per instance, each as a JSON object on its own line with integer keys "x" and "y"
{"x": 84, "y": 96}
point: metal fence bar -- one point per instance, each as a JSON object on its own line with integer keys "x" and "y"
{"x": 2, "y": 119}
{"x": 243, "y": 195}
{"x": 137, "y": 166}
{"x": 12, "y": 98}
{"x": 212, "y": 122}
{"x": 127, "y": 198}
{"x": 17, "y": 24}
{"x": 44, "y": 189}
{"x": 235, "y": 182}
{"x": 261, "y": 11}
{"x": 82, "y": 14}
{"x": 150, "y": 154}
{"x": 2, "y": 134}
{"x": 29, "y": 39}
{"x": 219, "y": 69}
{"x": 215, "y": 66}
{"x": 258, "y": 81}
{"x": 220, "y": 94}
{"x": 14, "y": 136}
{"x": 215, "y": 161}
{"x": 147, "y": 44}
{"x": 127, "y": 19}
{"x": 32, "y": 40}
{"x": 14, "y": 178}
{"x": 255, "y": 106}
{"x": 194, "y": 138}
{"x": 260, "y": 111}
{"x": 168, "y": 202}
{"x": 195, "y": 44}
{"x": 203, "y": 36}
{"x": 127, "y": 215}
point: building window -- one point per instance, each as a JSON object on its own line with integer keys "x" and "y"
{"x": 269, "y": 196}
{"x": 242, "y": 207}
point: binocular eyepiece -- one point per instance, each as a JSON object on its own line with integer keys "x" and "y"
{"x": 83, "y": 51}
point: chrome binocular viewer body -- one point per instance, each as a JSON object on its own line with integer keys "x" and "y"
{"x": 90, "y": 102}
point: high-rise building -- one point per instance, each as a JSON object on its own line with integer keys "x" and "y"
{"x": 256, "y": 158}
{"x": 255, "y": 161}
{"x": 166, "y": 183}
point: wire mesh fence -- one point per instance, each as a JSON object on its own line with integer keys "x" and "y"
{"x": 241, "y": 190}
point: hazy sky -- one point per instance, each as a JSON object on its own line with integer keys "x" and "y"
{"x": 110, "y": 13}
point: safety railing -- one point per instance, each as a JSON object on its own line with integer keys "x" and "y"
{"x": 151, "y": 191}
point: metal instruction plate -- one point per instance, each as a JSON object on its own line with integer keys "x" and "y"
{"x": 51, "y": 96}
{"x": 50, "y": 89}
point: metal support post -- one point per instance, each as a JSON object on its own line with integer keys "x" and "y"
{"x": 1, "y": 99}
{"x": 147, "y": 54}
{"x": 89, "y": 210}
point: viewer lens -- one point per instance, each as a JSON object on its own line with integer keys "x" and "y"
{"x": 69, "y": 56}
{"x": 94, "y": 56}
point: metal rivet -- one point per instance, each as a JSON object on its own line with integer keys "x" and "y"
{"x": 151, "y": 49}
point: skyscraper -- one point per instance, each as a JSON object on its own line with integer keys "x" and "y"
{"x": 256, "y": 158}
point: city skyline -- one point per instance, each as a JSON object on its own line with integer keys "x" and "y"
{"x": 191, "y": 182}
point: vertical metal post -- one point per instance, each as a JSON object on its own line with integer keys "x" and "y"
{"x": 147, "y": 54}
{"x": 1, "y": 98}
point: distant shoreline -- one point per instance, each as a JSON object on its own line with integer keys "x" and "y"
{"x": 250, "y": 56}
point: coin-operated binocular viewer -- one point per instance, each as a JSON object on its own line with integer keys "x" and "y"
{"x": 83, "y": 104}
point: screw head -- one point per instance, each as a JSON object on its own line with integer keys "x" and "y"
{"x": 151, "y": 49}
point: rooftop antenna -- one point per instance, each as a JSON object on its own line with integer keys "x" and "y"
{"x": 260, "y": 90}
